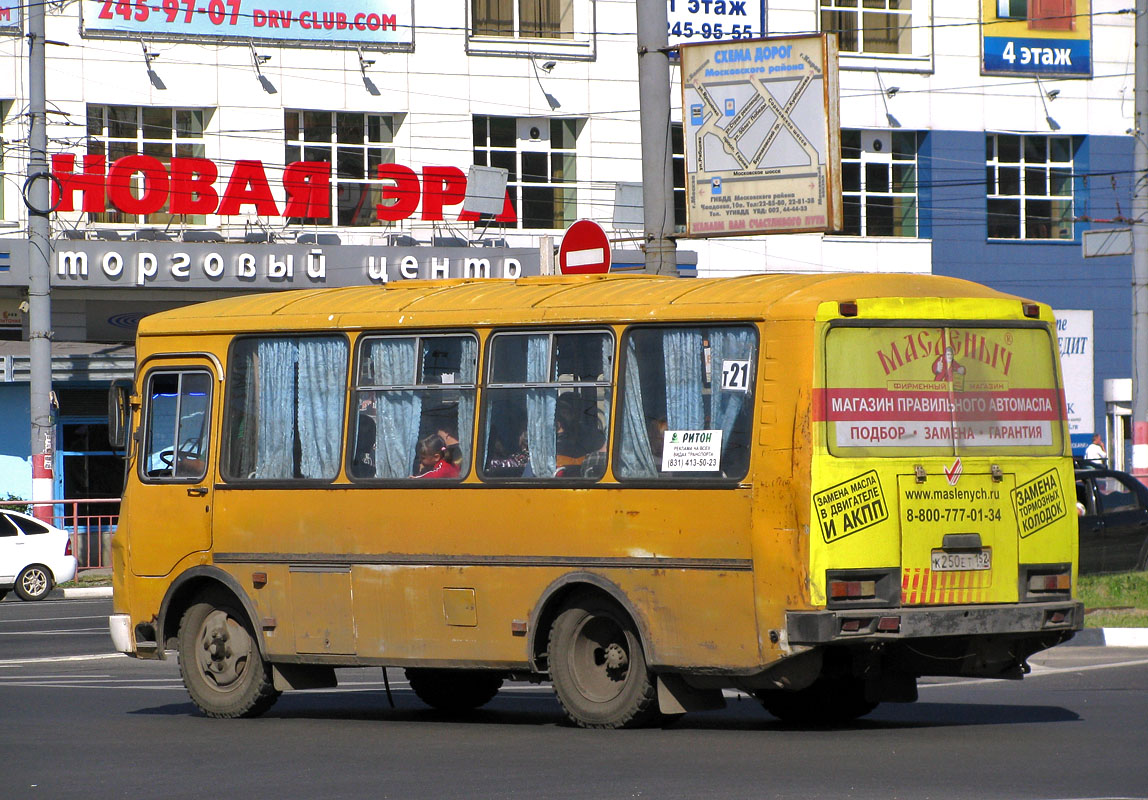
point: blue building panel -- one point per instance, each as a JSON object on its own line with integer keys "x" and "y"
{"x": 1051, "y": 271}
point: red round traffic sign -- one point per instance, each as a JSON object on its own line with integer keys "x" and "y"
{"x": 585, "y": 250}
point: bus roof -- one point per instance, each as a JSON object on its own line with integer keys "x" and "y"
{"x": 567, "y": 299}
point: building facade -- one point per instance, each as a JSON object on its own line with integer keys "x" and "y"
{"x": 200, "y": 150}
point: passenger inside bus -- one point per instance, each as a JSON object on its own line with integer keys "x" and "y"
{"x": 581, "y": 442}
{"x": 437, "y": 459}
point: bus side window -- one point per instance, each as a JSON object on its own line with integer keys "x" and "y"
{"x": 547, "y": 405}
{"x": 412, "y": 389}
{"x": 285, "y": 408}
{"x": 176, "y": 425}
{"x": 686, "y": 402}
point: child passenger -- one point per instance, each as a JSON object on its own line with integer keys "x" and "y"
{"x": 436, "y": 458}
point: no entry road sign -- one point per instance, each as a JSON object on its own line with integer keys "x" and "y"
{"x": 585, "y": 250}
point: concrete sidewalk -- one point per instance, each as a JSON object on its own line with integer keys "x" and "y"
{"x": 1109, "y": 637}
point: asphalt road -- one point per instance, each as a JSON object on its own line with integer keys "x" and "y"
{"x": 78, "y": 721}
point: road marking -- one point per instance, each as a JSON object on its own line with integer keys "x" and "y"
{"x": 1039, "y": 671}
{"x": 18, "y": 662}
{"x": 55, "y": 619}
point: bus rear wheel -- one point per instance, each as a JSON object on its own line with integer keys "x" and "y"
{"x": 454, "y": 690}
{"x": 220, "y": 663}
{"x": 828, "y": 701}
{"x": 598, "y": 667}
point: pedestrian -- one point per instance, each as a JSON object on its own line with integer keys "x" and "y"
{"x": 1095, "y": 452}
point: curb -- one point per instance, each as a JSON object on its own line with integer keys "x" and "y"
{"x": 1109, "y": 637}
{"x": 84, "y": 592}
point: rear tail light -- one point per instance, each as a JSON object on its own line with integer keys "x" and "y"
{"x": 1049, "y": 583}
{"x": 68, "y": 546}
{"x": 1046, "y": 581}
{"x": 852, "y": 590}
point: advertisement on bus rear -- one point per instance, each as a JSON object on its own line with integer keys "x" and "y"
{"x": 927, "y": 390}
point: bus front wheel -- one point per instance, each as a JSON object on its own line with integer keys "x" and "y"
{"x": 598, "y": 667}
{"x": 220, "y": 663}
{"x": 454, "y": 690}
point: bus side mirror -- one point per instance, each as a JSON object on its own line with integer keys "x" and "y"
{"x": 119, "y": 414}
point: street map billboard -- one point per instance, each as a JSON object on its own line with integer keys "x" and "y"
{"x": 1045, "y": 38}
{"x": 762, "y": 137}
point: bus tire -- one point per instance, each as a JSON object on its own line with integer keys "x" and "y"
{"x": 34, "y": 582}
{"x": 828, "y": 701}
{"x": 454, "y": 690}
{"x": 598, "y": 667}
{"x": 220, "y": 663}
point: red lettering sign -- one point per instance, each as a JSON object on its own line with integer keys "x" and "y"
{"x": 188, "y": 186}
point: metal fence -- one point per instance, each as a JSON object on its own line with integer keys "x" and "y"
{"x": 90, "y": 521}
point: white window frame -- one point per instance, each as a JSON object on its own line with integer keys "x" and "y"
{"x": 332, "y": 146}
{"x": 876, "y": 148}
{"x": 177, "y": 146}
{"x": 920, "y": 57}
{"x": 581, "y": 47}
{"x": 525, "y": 143}
{"x": 1033, "y": 172}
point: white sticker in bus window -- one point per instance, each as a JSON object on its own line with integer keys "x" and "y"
{"x": 448, "y": 377}
{"x": 735, "y": 376}
{"x": 691, "y": 451}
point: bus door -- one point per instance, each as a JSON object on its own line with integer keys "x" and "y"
{"x": 172, "y": 511}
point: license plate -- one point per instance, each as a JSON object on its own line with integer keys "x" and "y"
{"x": 963, "y": 561}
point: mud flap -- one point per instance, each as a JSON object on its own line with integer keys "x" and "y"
{"x": 675, "y": 696}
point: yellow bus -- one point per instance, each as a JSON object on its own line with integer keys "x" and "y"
{"x": 814, "y": 489}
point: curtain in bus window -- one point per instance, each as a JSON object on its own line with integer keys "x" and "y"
{"x": 322, "y": 378}
{"x": 469, "y": 368}
{"x": 635, "y": 458}
{"x": 399, "y": 412}
{"x": 726, "y": 345}
{"x": 682, "y": 355}
{"x": 540, "y": 403}
{"x": 275, "y": 379}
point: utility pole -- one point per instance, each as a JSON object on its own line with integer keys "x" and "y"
{"x": 657, "y": 149}
{"x": 37, "y": 198}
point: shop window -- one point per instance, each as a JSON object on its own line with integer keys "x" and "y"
{"x": 540, "y": 157}
{"x": 879, "y": 182}
{"x": 882, "y": 27}
{"x": 679, "y": 168}
{"x": 1029, "y": 186}
{"x": 523, "y": 19}
{"x": 161, "y": 132}
{"x": 355, "y": 144}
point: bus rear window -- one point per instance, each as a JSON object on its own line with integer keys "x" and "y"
{"x": 924, "y": 390}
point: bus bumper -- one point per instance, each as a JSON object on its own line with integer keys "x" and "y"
{"x": 892, "y": 624}
{"x": 120, "y": 627}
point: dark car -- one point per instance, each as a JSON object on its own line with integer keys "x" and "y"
{"x": 1113, "y": 508}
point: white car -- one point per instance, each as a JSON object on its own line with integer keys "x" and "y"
{"x": 34, "y": 556}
